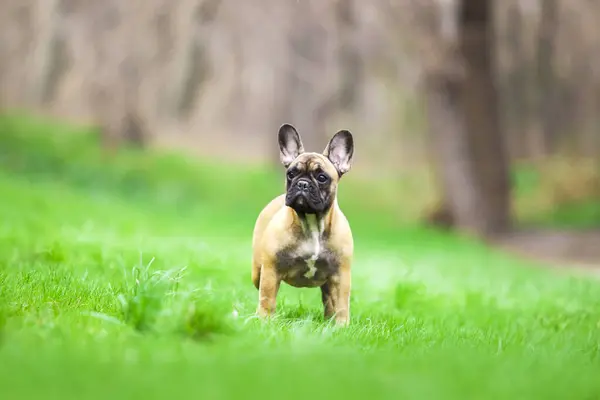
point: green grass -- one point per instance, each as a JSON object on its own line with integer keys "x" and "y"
{"x": 130, "y": 277}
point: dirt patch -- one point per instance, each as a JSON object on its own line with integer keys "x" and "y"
{"x": 567, "y": 249}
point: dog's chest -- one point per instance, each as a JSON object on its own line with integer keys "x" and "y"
{"x": 309, "y": 261}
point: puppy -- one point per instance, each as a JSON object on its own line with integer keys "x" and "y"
{"x": 302, "y": 237}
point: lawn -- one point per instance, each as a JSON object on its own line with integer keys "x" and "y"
{"x": 129, "y": 277}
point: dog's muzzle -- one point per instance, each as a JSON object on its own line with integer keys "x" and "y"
{"x": 303, "y": 196}
{"x": 303, "y": 185}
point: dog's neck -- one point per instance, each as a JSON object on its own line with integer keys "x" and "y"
{"x": 313, "y": 225}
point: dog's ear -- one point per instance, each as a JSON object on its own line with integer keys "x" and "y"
{"x": 290, "y": 144}
{"x": 340, "y": 151}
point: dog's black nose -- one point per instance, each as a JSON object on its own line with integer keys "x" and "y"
{"x": 302, "y": 185}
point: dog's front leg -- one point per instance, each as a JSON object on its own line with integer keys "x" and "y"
{"x": 336, "y": 297}
{"x": 267, "y": 291}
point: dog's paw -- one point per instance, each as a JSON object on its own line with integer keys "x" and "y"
{"x": 264, "y": 313}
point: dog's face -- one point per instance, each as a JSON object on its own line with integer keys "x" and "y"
{"x": 312, "y": 178}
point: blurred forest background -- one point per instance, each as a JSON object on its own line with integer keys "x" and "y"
{"x": 461, "y": 105}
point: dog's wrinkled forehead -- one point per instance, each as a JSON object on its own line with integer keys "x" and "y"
{"x": 311, "y": 162}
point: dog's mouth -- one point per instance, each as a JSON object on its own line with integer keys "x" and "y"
{"x": 301, "y": 202}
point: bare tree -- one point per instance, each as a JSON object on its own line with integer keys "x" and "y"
{"x": 465, "y": 124}
{"x": 306, "y": 55}
{"x": 200, "y": 74}
{"x": 516, "y": 87}
{"x": 194, "y": 62}
{"x": 350, "y": 62}
{"x": 547, "y": 110}
{"x": 115, "y": 94}
{"x": 51, "y": 58}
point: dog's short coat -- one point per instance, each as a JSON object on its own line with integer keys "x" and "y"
{"x": 302, "y": 237}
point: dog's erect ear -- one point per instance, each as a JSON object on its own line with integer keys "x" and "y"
{"x": 290, "y": 145}
{"x": 340, "y": 150}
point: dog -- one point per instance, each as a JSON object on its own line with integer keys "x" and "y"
{"x": 302, "y": 237}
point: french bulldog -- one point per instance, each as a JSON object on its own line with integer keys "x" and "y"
{"x": 302, "y": 237}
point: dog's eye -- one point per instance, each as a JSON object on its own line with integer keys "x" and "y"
{"x": 322, "y": 178}
{"x": 291, "y": 174}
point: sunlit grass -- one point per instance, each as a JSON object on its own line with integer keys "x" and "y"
{"x": 132, "y": 279}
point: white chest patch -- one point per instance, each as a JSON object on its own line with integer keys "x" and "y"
{"x": 313, "y": 229}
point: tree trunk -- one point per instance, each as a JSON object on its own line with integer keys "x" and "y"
{"x": 350, "y": 63}
{"x": 465, "y": 128}
{"x": 196, "y": 68}
{"x": 547, "y": 110}
{"x": 306, "y": 58}
{"x": 516, "y": 90}
{"x": 50, "y": 58}
{"x": 452, "y": 149}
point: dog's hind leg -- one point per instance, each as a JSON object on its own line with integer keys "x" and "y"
{"x": 256, "y": 273}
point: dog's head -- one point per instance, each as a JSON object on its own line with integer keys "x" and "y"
{"x": 312, "y": 178}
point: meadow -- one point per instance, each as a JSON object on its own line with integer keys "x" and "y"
{"x": 128, "y": 276}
